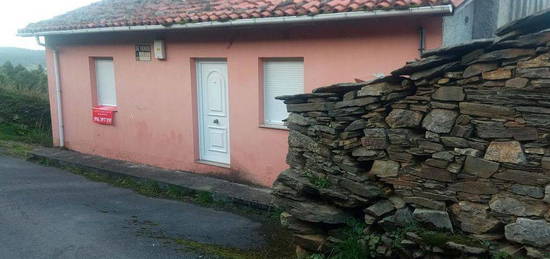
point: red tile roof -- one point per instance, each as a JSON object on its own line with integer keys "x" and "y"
{"x": 457, "y": 3}
{"x": 115, "y": 13}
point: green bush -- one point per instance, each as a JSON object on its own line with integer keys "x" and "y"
{"x": 355, "y": 244}
{"x": 17, "y": 132}
{"x": 24, "y": 105}
{"x": 22, "y": 79}
{"x": 23, "y": 109}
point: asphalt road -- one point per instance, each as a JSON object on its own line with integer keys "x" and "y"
{"x": 50, "y": 213}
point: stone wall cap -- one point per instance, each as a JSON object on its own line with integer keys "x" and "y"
{"x": 304, "y": 96}
{"x": 340, "y": 88}
{"x": 347, "y": 87}
{"x": 424, "y": 63}
{"x": 458, "y": 49}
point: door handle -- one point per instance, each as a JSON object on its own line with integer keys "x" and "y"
{"x": 216, "y": 121}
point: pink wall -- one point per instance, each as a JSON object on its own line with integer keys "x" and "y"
{"x": 155, "y": 123}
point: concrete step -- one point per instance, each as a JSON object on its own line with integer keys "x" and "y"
{"x": 251, "y": 196}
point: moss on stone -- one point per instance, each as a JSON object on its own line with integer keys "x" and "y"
{"x": 221, "y": 251}
{"x": 439, "y": 239}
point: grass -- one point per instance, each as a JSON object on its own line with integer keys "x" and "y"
{"x": 150, "y": 229}
{"x": 353, "y": 243}
{"x": 319, "y": 181}
{"x": 24, "y": 134}
{"x": 221, "y": 251}
{"x": 24, "y": 116}
{"x": 204, "y": 198}
{"x": 24, "y": 107}
{"x": 15, "y": 149}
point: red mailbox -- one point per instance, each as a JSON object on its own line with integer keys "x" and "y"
{"x": 103, "y": 114}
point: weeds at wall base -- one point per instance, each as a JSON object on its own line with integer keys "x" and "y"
{"x": 15, "y": 149}
{"x": 143, "y": 187}
{"x": 353, "y": 243}
{"x": 25, "y": 134}
{"x": 149, "y": 229}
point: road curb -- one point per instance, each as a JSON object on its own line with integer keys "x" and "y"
{"x": 240, "y": 194}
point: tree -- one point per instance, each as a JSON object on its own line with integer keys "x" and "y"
{"x": 19, "y": 78}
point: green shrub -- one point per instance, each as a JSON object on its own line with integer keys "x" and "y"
{"x": 30, "y": 111}
{"x": 24, "y": 105}
{"x": 354, "y": 243}
{"x": 22, "y": 79}
{"x": 21, "y": 133}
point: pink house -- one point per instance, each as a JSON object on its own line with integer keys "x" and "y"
{"x": 190, "y": 84}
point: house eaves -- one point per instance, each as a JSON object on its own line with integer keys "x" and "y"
{"x": 356, "y": 15}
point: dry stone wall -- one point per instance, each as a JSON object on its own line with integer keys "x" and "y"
{"x": 457, "y": 141}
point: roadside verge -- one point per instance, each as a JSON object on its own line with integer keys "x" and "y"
{"x": 222, "y": 190}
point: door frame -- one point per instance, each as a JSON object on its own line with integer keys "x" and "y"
{"x": 199, "y": 110}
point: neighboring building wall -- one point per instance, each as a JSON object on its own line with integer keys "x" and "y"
{"x": 478, "y": 19}
{"x": 458, "y": 28}
{"x": 511, "y": 10}
{"x": 156, "y": 119}
{"x": 485, "y": 19}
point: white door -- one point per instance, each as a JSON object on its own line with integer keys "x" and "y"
{"x": 213, "y": 111}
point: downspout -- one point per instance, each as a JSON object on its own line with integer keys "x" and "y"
{"x": 422, "y": 40}
{"x": 60, "y": 125}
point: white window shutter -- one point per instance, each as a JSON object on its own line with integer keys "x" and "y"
{"x": 105, "y": 82}
{"x": 281, "y": 77}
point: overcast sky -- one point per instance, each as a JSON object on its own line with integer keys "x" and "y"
{"x": 16, "y": 14}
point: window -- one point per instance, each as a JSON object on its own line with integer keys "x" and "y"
{"x": 281, "y": 77}
{"x": 105, "y": 81}
{"x": 143, "y": 52}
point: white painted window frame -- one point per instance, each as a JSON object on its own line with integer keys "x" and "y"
{"x": 105, "y": 82}
{"x": 276, "y": 74}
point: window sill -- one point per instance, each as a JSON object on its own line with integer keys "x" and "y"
{"x": 274, "y": 126}
{"x": 105, "y": 108}
{"x": 205, "y": 162}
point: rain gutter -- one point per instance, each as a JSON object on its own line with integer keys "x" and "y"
{"x": 415, "y": 11}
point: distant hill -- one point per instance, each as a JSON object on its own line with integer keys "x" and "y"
{"x": 26, "y": 57}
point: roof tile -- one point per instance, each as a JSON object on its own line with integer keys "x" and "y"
{"x": 112, "y": 13}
